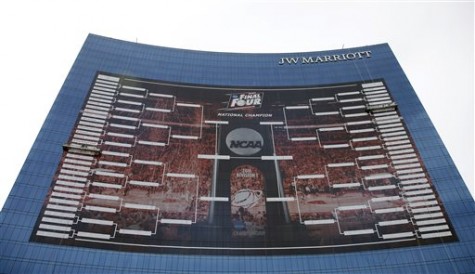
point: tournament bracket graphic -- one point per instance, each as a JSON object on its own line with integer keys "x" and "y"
{"x": 161, "y": 167}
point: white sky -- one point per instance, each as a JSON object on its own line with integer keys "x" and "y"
{"x": 433, "y": 41}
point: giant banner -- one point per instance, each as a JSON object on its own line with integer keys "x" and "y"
{"x": 163, "y": 167}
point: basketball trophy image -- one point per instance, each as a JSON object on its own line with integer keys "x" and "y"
{"x": 246, "y": 198}
{"x": 248, "y": 204}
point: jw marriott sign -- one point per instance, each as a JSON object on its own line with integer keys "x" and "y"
{"x": 324, "y": 58}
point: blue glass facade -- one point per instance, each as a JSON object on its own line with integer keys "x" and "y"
{"x": 26, "y": 200}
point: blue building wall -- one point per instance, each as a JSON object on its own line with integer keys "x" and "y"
{"x": 18, "y": 217}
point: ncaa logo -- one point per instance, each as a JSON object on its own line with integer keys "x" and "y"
{"x": 244, "y": 141}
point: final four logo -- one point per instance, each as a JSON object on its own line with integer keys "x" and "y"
{"x": 248, "y": 99}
